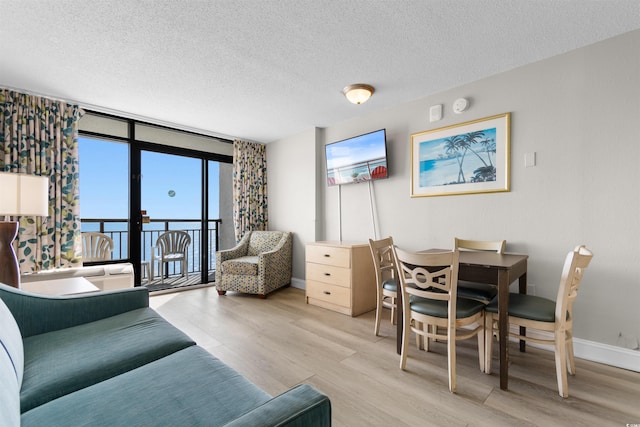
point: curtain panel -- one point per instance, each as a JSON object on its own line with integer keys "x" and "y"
{"x": 249, "y": 187}
{"x": 39, "y": 136}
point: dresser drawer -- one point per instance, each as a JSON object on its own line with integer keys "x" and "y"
{"x": 329, "y": 255}
{"x": 333, "y": 294}
{"x": 329, "y": 274}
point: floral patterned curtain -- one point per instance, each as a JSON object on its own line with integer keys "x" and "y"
{"x": 249, "y": 187}
{"x": 39, "y": 136}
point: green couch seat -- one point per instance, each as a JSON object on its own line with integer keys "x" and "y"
{"x": 63, "y": 361}
{"x": 187, "y": 388}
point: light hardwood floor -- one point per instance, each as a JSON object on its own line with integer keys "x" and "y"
{"x": 280, "y": 342}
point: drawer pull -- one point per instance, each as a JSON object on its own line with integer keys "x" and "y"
{"x": 327, "y": 255}
{"x": 327, "y": 274}
{"x": 326, "y": 292}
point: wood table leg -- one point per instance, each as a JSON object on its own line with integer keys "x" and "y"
{"x": 503, "y": 327}
{"x": 399, "y": 321}
{"x": 522, "y": 288}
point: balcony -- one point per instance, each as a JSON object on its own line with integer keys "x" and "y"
{"x": 117, "y": 229}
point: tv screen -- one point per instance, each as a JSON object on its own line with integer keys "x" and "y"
{"x": 358, "y": 159}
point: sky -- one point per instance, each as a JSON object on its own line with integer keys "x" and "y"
{"x": 170, "y": 183}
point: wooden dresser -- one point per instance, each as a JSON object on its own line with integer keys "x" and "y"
{"x": 340, "y": 277}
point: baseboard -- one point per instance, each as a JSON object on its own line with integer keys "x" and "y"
{"x": 298, "y": 283}
{"x": 611, "y": 355}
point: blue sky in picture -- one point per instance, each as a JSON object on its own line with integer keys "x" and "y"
{"x": 170, "y": 184}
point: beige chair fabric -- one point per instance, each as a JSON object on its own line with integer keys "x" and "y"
{"x": 386, "y": 280}
{"x": 259, "y": 264}
{"x": 96, "y": 247}
{"x": 539, "y": 313}
{"x": 431, "y": 308}
{"x": 171, "y": 246}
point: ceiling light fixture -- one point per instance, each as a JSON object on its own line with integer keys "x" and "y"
{"x": 358, "y": 93}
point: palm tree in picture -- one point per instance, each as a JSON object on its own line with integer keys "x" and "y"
{"x": 489, "y": 146}
{"x": 452, "y": 146}
{"x": 473, "y": 138}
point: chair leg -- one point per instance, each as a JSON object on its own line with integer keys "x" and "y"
{"x": 561, "y": 363}
{"x": 394, "y": 313}
{"x": 571, "y": 360}
{"x": 405, "y": 337}
{"x": 451, "y": 356}
{"x": 488, "y": 342}
{"x": 376, "y": 328}
{"x": 431, "y": 329}
{"x": 419, "y": 336}
{"x": 481, "y": 339}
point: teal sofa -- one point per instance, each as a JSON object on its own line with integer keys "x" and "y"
{"x": 108, "y": 359}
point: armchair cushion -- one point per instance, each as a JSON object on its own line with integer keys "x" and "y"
{"x": 247, "y": 265}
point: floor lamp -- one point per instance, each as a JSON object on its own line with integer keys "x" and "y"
{"x": 22, "y": 195}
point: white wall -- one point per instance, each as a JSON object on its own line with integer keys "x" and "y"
{"x": 579, "y": 112}
{"x": 291, "y": 180}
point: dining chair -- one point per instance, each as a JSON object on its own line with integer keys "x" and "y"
{"x": 171, "y": 246}
{"x": 428, "y": 282}
{"x": 386, "y": 280}
{"x": 555, "y": 317}
{"x": 482, "y": 292}
{"x": 96, "y": 246}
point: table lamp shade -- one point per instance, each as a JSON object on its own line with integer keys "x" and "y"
{"x": 20, "y": 195}
{"x": 24, "y": 194}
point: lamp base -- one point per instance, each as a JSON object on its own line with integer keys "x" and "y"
{"x": 9, "y": 269}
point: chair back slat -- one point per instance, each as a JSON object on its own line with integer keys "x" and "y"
{"x": 428, "y": 275}
{"x": 173, "y": 242}
{"x": 497, "y": 246}
{"x": 383, "y": 261}
{"x": 96, "y": 246}
{"x": 574, "y": 265}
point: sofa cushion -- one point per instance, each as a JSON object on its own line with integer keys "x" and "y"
{"x": 263, "y": 241}
{"x": 246, "y": 265}
{"x": 187, "y": 388}
{"x": 66, "y": 360}
{"x": 11, "y": 342}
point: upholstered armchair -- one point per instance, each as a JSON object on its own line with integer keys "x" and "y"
{"x": 259, "y": 264}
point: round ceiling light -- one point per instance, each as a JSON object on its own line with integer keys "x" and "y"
{"x": 358, "y": 93}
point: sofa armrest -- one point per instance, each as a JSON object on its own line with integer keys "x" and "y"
{"x": 302, "y": 406}
{"x": 38, "y": 314}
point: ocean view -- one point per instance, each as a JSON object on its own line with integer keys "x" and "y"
{"x": 117, "y": 230}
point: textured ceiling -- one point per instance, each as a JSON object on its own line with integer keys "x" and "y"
{"x": 265, "y": 70}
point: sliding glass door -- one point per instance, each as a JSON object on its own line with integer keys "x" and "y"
{"x": 138, "y": 181}
{"x": 171, "y": 200}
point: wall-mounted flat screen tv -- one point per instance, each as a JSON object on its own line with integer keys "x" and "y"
{"x": 358, "y": 159}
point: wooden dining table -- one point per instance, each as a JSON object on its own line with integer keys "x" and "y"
{"x": 495, "y": 269}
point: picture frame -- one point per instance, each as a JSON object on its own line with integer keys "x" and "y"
{"x": 465, "y": 158}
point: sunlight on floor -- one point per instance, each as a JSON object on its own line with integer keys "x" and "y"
{"x": 156, "y": 301}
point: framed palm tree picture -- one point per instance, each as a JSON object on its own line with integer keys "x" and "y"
{"x": 466, "y": 158}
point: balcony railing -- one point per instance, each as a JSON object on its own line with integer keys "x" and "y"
{"x": 117, "y": 229}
